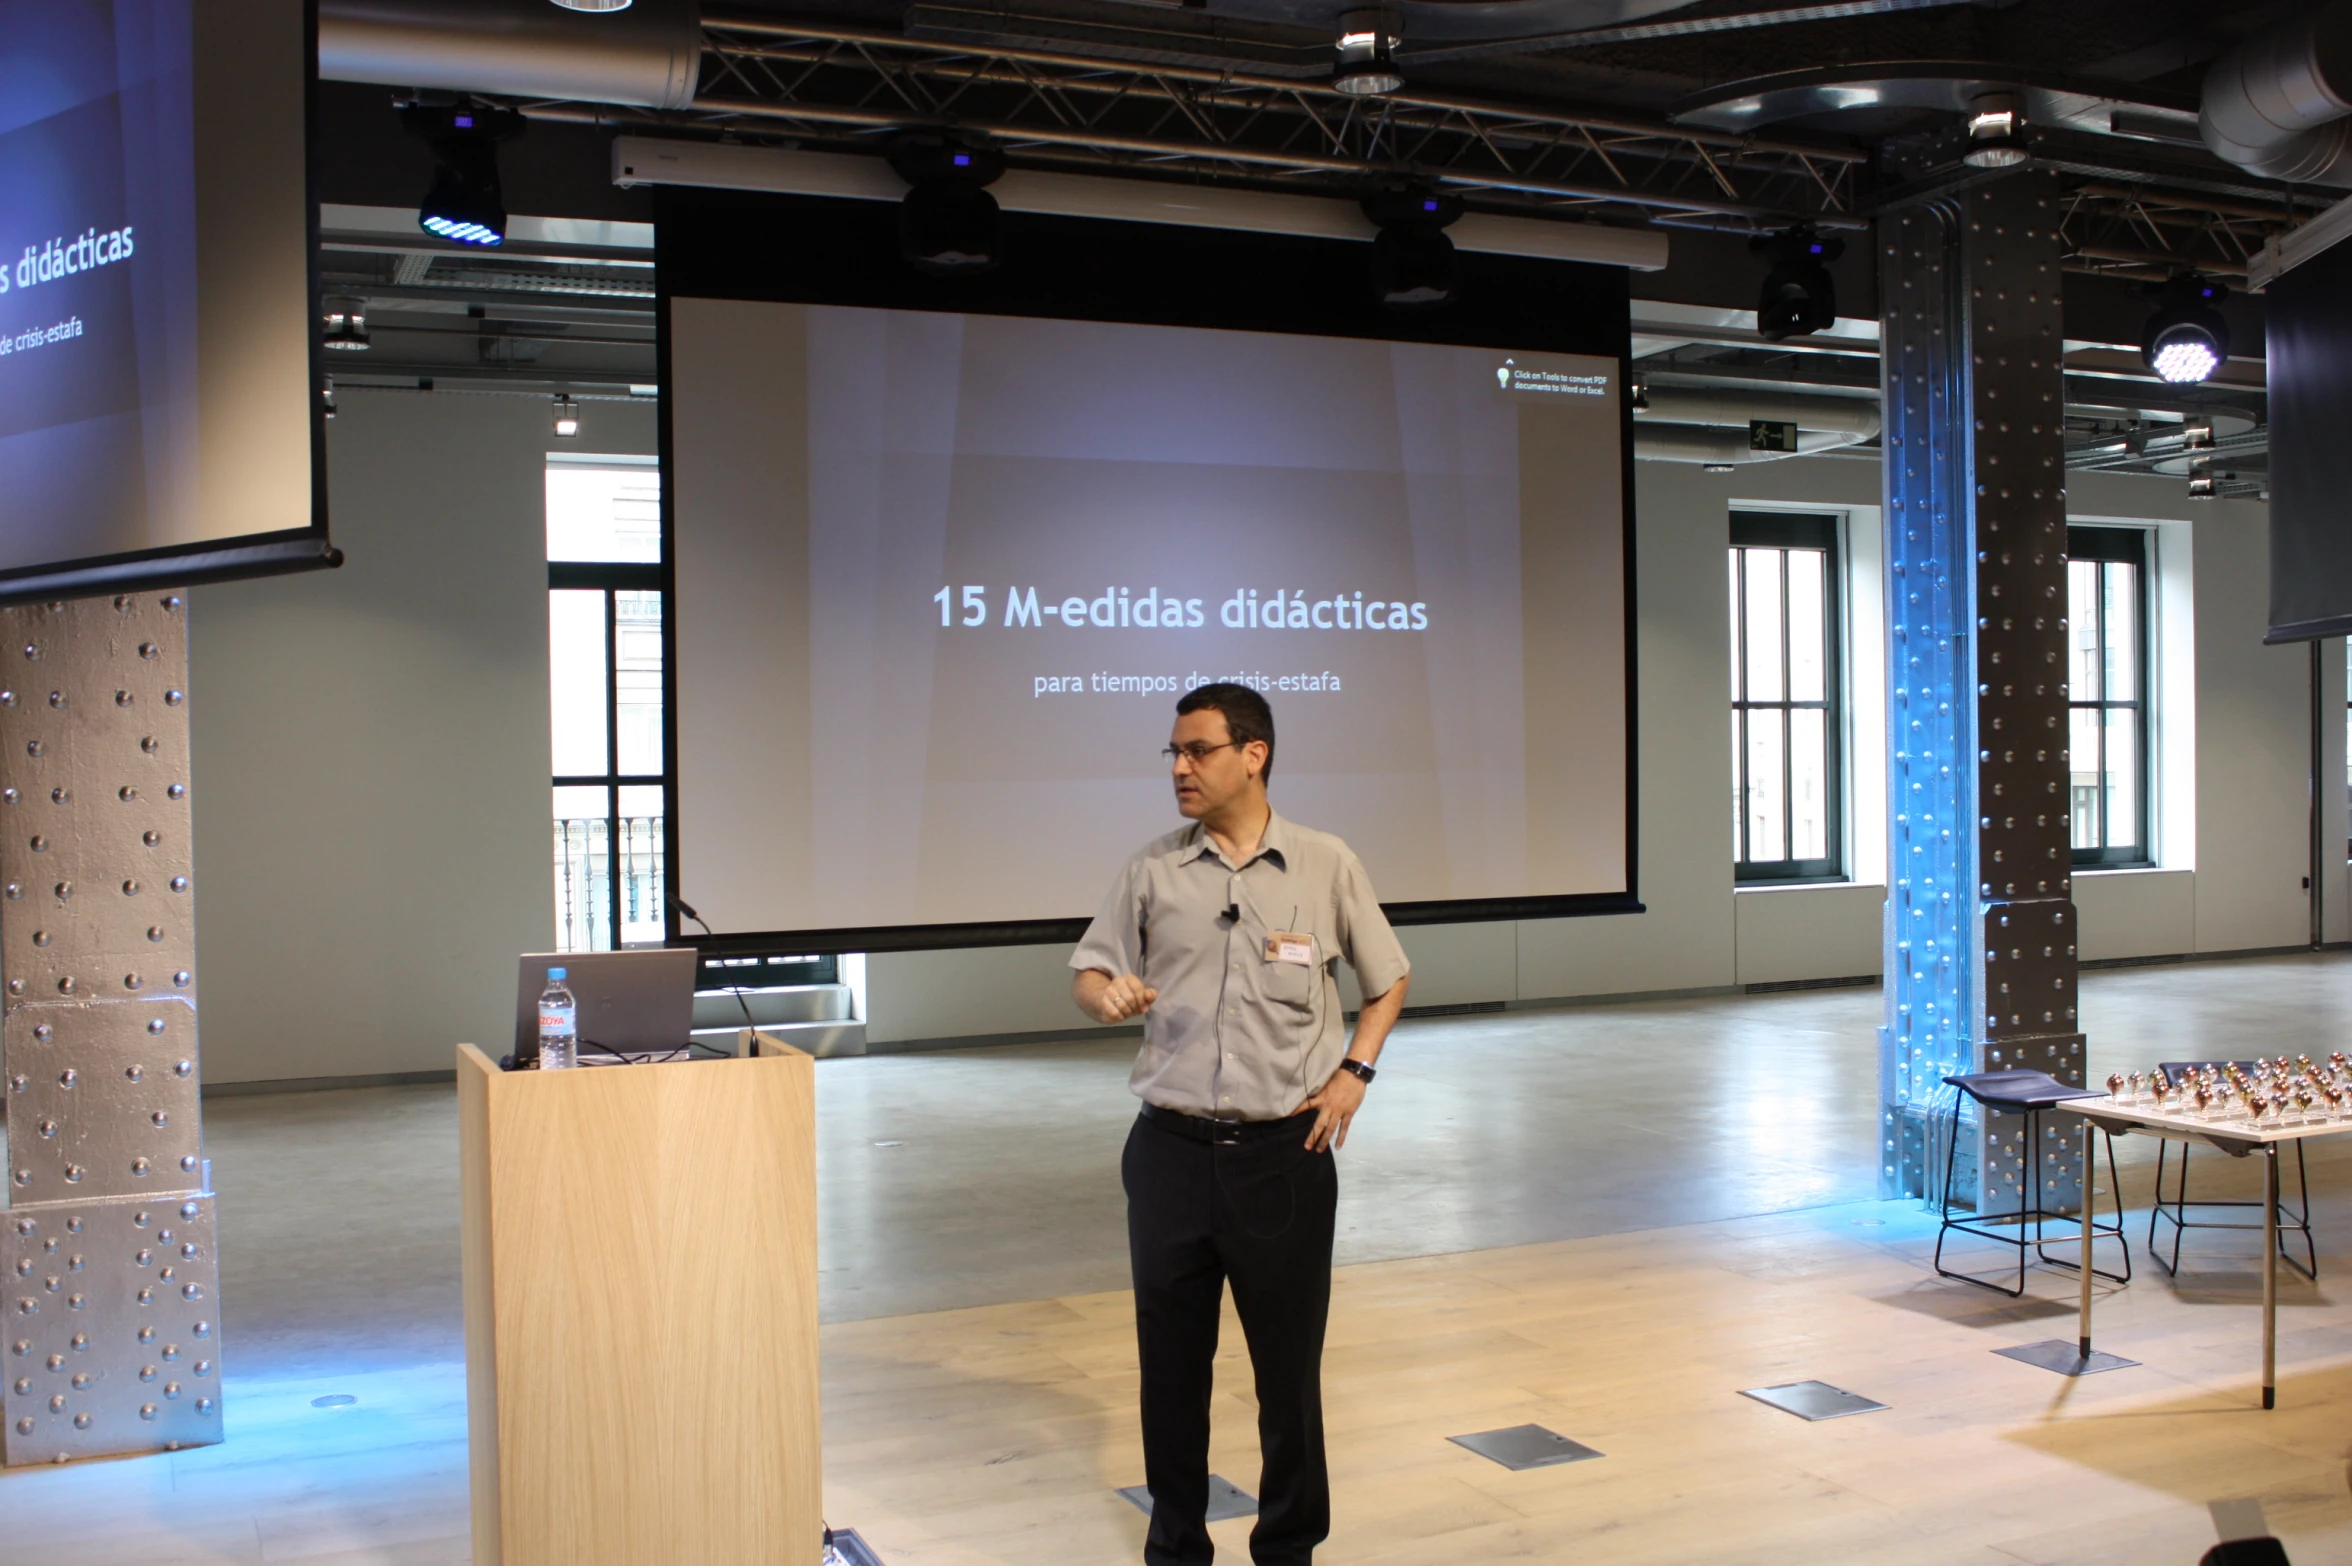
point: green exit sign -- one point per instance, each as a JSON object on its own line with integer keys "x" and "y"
{"x": 1770, "y": 435}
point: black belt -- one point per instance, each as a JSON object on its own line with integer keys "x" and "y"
{"x": 1224, "y": 1133}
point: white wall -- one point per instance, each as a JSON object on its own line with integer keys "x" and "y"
{"x": 371, "y": 751}
{"x": 371, "y": 767}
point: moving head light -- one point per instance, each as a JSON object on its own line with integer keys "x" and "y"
{"x": 948, "y": 221}
{"x": 1799, "y": 297}
{"x": 464, "y": 204}
{"x": 2186, "y": 339}
{"x": 1412, "y": 259}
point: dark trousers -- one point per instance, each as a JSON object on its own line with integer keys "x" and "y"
{"x": 1257, "y": 1215}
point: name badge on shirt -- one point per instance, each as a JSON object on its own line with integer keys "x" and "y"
{"x": 1282, "y": 946}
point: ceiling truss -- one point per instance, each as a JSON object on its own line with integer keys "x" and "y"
{"x": 842, "y": 86}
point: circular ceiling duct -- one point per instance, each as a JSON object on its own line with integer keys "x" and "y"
{"x": 649, "y": 54}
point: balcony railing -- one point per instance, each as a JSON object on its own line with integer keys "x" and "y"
{"x": 587, "y": 876}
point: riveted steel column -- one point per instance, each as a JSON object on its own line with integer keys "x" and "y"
{"x": 109, "y": 1304}
{"x": 1980, "y": 954}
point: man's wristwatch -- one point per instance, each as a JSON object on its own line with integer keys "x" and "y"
{"x": 1358, "y": 1070}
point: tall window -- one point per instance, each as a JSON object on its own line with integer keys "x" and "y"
{"x": 2107, "y": 690}
{"x": 604, "y": 677}
{"x": 1786, "y": 727}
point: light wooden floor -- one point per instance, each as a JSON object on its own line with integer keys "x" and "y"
{"x": 997, "y": 1434}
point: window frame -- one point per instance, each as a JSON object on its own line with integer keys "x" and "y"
{"x": 1785, "y": 530}
{"x": 2120, "y": 546}
{"x": 613, "y": 578}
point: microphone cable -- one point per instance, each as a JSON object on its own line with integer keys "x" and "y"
{"x": 687, "y": 909}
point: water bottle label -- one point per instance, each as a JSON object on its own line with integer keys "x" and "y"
{"x": 554, "y": 1020}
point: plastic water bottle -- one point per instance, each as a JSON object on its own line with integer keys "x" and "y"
{"x": 559, "y": 1028}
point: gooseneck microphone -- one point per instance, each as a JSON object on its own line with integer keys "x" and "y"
{"x": 687, "y": 908}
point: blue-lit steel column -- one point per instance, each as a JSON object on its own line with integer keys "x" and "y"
{"x": 1980, "y": 944}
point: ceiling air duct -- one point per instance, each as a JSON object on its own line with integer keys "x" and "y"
{"x": 649, "y": 54}
{"x": 2277, "y": 104}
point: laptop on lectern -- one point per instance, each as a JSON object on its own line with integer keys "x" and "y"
{"x": 630, "y": 1001}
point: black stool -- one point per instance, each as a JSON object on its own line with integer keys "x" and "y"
{"x": 2026, "y": 1093}
{"x": 2176, "y": 1210}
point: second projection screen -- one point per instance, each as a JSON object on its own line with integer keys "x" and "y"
{"x": 942, "y": 579}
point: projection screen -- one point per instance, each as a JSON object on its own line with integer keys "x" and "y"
{"x": 157, "y": 418}
{"x": 942, "y": 576}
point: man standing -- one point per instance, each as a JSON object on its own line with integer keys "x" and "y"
{"x": 1225, "y": 937}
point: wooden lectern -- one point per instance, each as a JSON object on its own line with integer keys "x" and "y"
{"x": 641, "y": 1312}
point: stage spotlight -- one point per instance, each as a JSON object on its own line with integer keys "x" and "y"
{"x": 1641, "y": 396}
{"x": 948, "y": 222}
{"x": 1996, "y": 132}
{"x": 1412, "y": 260}
{"x": 2201, "y": 486}
{"x": 1366, "y": 66}
{"x": 567, "y": 418}
{"x": 327, "y": 398}
{"x": 2186, "y": 339}
{"x": 346, "y": 329}
{"x": 1799, "y": 297}
{"x": 464, "y": 203}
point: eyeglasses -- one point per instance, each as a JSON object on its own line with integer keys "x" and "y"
{"x": 1198, "y": 751}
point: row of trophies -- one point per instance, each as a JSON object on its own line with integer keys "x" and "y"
{"x": 2259, "y": 1092}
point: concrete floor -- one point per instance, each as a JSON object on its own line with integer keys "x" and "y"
{"x": 982, "y": 1176}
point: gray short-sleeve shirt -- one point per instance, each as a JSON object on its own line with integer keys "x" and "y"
{"x": 1235, "y": 1034}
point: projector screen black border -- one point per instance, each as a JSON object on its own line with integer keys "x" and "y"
{"x": 238, "y": 557}
{"x": 279, "y": 554}
{"x": 823, "y": 250}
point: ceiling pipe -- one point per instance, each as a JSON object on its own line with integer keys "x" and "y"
{"x": 1713, "y": 428}
{"x": 2280, "y": 104}
{"x": 649, "y": 55}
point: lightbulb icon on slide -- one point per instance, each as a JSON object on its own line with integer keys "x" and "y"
{"x": 1503, "y": 374}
